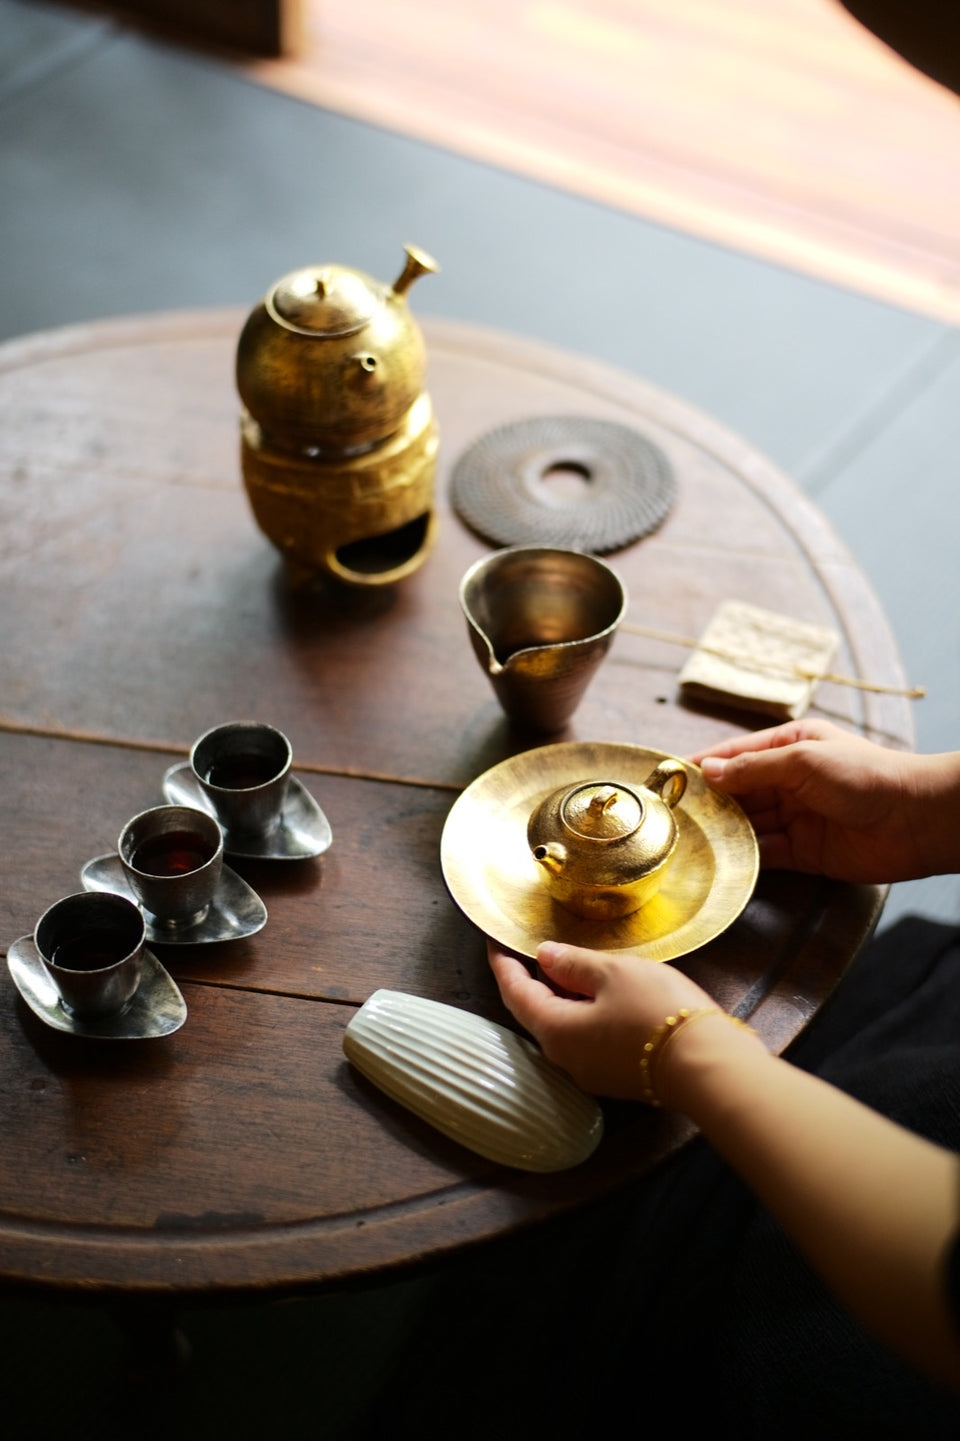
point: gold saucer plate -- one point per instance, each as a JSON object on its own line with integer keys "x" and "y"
{"x": 492, "y": 876}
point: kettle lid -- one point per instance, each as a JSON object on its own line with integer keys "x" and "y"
{"x": 324, "y": 300}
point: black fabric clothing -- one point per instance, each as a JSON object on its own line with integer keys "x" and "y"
{"x": 680, "y": 1293}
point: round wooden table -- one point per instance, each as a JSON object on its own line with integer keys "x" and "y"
{"x": 141, "y": 605}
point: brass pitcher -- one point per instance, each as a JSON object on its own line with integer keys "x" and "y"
{"x": 339, "y": 441}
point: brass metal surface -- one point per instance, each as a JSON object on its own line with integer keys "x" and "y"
{"x": 365, "y": 519}
{"x": 331, "y": 359}
{"x": 603, "y": 847}
{"x": 338, "y": 437}
{"x": 492, "y": 875}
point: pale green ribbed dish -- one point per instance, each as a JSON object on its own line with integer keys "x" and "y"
{"x": 476, "y": 1081}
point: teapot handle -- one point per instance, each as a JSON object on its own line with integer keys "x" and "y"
{"x": 668, "y": 780}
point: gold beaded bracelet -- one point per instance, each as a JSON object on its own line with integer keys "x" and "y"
{"x": 659, "y": 1039}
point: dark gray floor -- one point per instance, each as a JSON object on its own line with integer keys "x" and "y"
{"x": 136, "y": 177}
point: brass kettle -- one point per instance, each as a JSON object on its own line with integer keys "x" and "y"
{"x": 339, "y": 440}
{"x": 602, "y": 846}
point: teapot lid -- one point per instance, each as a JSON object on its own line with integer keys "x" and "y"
{"x": 601, "y": 811}
{"x": 324, "y": 300}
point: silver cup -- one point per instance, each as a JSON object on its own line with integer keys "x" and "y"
{"x": 540, "y": 621}
{"x": 91, "y": 945}
{"x": 172, "y": 857}
{"x": 243, "y": 768}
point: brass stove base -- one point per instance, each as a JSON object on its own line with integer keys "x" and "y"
{"x": 332, "y": 514}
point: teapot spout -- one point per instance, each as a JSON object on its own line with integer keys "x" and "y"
{"x": 552, "y": 856}
{"x": 418, "y": 263}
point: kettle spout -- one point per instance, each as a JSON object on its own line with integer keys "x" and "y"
{"x": 418, "y": 263}
{"x": 552, "y": 856}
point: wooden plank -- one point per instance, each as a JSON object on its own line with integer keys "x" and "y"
{"x": 242, "y": 1153}
{"x": 787, "y": 130}
{"x": 132, "y": 498}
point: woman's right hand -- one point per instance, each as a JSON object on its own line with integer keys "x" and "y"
{"x": 610, "y": 1005}
{"x": 828, "y": 802}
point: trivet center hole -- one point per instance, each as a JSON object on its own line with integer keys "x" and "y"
{"x": 566, "y": 482}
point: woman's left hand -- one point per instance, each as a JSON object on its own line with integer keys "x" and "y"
{"x": 596, "y": 1031}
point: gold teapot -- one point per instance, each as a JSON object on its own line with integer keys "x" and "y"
{"x": 603, "y": 847}
{"x": 338, "y": 436}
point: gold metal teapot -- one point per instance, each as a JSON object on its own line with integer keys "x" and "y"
{"x": 339, "y": 440}
{"x": 602, "y": 846}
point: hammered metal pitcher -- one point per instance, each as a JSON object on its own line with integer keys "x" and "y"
{"x": 540, "y": 621}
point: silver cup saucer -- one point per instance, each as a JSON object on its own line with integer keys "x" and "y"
{"x": 235, "y": 911}
{"x": 303, "y": 833}
{"x": 156, "y": 1009}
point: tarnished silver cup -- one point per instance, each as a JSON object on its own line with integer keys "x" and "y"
{"x": 172, "y": 857}
{"x": 540, "y": 621}
{"x": 243, "y": 768}
{"x": 91, "y": 946}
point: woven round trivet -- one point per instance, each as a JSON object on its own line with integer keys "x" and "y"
{"x": 502, "y": 486}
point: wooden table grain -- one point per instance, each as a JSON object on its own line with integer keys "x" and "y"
{"x": 140, "y": 605}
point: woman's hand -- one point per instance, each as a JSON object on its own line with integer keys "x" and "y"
{"x": 596, "y": 1038}
{"x": 825, "y": 801}
{"x": 872, "y": 1206}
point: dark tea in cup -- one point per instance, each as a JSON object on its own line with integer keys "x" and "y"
{"x": 243, "y": 768}
{"x": 91, "y": 946}
{"x": 172, "y": 857}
